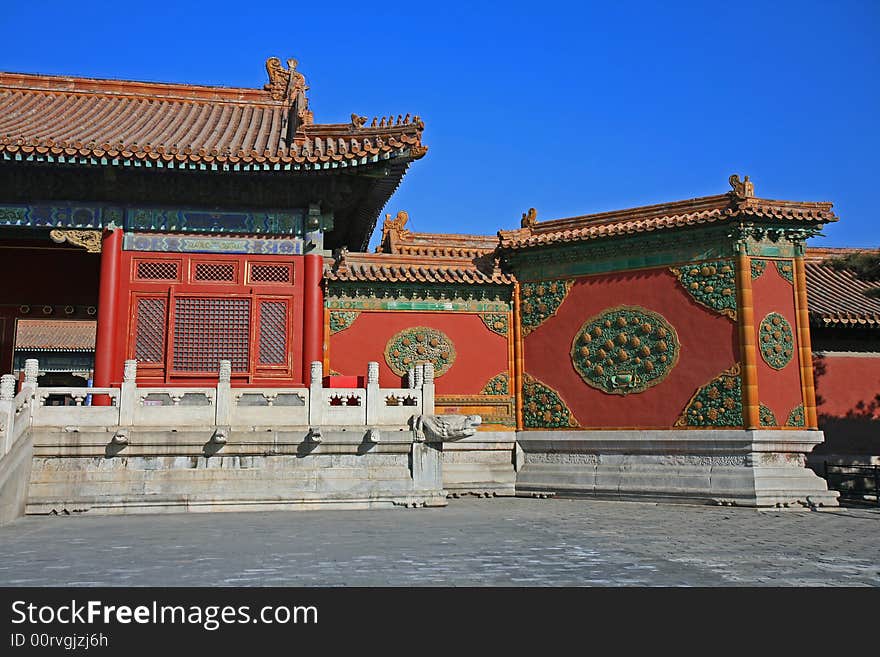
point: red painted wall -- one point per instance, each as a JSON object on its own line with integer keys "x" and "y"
{"x": 480, "y": 353}
{"x": 847, "y": 386}
{"x": 708, "y": 347}
{"x": 242, "y": 287}
{"x": 779, "y": 390}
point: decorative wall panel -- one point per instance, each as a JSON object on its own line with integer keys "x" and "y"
{"x": 625, "y": 350}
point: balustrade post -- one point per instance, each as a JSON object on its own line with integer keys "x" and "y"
{"x": 31, "y": 372}
{"x": 223, "y": 399}
{"x": 7, "y": 411}
{"x": 428, "y": 389}
{"x": 374, "y": 398}
{"x": 316, "y": 394}
{"x": 128, "y": 394}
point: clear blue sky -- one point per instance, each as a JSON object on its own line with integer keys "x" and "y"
{"x": 568, "y": 107}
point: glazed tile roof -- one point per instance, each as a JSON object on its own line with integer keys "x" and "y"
{"x": 678, "y": 214}
{"x": 407, "y": 257}
{"x": 55, "y": 335}
{"x": 836, "y": 297}
{"x": 398, "y": 239}
{"x": 90, "y": 121}
{"x": 392, "y": 268}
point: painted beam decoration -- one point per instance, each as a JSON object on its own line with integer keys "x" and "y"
{"x": 624, "y": 350}
{"x": 420, "y": 344}
{"x": 776, "y": 341}
{"x": 716, "y": 404}
{"x": 711, "y": 284}
{"x": 540, "y": 301}
{"x": 543, "y": 408}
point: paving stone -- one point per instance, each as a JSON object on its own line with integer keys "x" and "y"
{"x": 492, "y": 542}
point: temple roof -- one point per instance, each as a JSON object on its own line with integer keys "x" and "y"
{"x": 408, "y": 257}
{"x": 120, "y": 120}
{"x": 740, "y": 203}
{"x": 55, "y": 335}
{"x": 397, "y": 238}
{"x": 836, "y": 297}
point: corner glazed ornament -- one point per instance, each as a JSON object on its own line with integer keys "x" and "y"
{"x": 625, "y": 350}
{"x": 419, "y": 344}
{"x": 776, "y": 341}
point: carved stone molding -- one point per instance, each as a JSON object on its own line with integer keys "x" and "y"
{"x": 90, "y": 240}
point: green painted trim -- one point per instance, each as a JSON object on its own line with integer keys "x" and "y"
{"x": 368, "y": 295}
{"x": 659, "y": 249}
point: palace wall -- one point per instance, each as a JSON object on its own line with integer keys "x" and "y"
{"x": 848, "y": 405}
{"x": 780, "y": 387}
{"x": 708, "y": 347}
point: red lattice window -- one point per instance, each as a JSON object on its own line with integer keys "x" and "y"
{"x": 149, "y": 344}
{"x": 270, "y": 274}
{"x": 273, "y": 333}
{"x": 157, "y": 271}
{"x": 208, "y": 330}
{"x": 214, "y": 271}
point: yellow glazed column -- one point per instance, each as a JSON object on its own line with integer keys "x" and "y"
{"x": 517, "y": 358}
{"x": 805, "y": 346}
{"x": 746, "y": 314}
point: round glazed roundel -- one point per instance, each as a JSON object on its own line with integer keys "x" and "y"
{"x": 419, "y": 344}
{"x": 624, "y": 350}
{"x": 776, "y": 341}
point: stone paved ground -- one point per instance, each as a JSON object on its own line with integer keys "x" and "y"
{"x": 504, "y": 541}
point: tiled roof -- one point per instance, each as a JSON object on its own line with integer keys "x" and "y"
{"x": 89, "y": 121}
{"x": 55, "y": 335}
{"x": 704, "y": 210}
{"x": 395, "y": 268}
{"x": 836, "y": 297}
{"x": 398, "y": 239}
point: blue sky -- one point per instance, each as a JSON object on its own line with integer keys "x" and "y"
{"x": 570, "y": 107}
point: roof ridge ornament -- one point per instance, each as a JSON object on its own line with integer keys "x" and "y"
{"x": 283, "y": 83}
{"x": 742, "y": 189}
{"x": 529, "y": 218}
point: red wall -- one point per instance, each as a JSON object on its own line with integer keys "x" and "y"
{"x": 708, "y": 347}
{"x": 480, "y": 353}
{"x": 847, "y": 386}
{"x": 779, "y": 390}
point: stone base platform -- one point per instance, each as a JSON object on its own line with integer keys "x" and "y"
{"x": 481, "y": 465}
{"x": 758, "y": 468}
{"x": 255, "y": 469}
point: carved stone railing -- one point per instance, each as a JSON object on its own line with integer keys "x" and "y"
{"x": 221, "y": 406}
